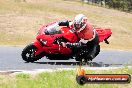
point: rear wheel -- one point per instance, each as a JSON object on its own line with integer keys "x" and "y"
{"x": 82, "y": 60}
{"x": 83, "y": 56}
{"x": 28, "y": 53}
{"x": 90, "y": 58}
{"x": 97, "y": 50}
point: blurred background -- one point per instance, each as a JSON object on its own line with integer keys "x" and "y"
{"x": 20, "y": 20}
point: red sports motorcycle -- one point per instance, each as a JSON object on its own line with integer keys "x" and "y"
{"x": 48, "y": 43}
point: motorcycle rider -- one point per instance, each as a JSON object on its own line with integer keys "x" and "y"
{"x": 86, "y": 33}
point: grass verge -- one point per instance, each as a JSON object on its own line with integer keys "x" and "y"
{"x": 59, "y": 79}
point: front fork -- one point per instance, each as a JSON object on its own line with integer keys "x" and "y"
{"x": 39, "y": 47}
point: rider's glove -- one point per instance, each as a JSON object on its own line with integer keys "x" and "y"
{"x": 70, "y": 45}
{"x": 75, "y": 45}
{"x": 63, "y": 44}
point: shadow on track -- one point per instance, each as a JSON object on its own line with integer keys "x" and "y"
{"x": 91, "y": 64}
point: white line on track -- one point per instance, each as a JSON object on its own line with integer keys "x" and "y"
{"x": 37, "y": 71}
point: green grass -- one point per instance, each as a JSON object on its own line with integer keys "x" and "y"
{"x": 25, "y": 18}
{"x": 59, "y": 79}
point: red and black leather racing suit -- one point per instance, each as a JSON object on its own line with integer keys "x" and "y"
{"x": 89, "y": 41}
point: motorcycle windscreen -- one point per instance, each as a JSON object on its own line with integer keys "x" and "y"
{"x": 53, "y": 29}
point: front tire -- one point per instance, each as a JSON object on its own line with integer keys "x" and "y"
{"x": 28, "y": 53}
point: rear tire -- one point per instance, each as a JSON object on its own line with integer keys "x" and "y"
{"x": 28, "y": 53}
{"x": 82, "y": 55}
{"x": 97, "y": 50}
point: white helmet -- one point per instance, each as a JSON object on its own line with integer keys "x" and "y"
{"x": 80, "y": 21}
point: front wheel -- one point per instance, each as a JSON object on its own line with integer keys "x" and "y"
{"x": 28, "y": 53}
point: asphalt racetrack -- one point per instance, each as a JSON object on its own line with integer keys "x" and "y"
{"x": 10, "y": 59}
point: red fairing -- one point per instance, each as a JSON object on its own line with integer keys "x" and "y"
{"x": 50, "y": 47}
{"x": 103, "y": 33}
{"x": 39, "y": 47}
{"x": 72, "y": 37}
